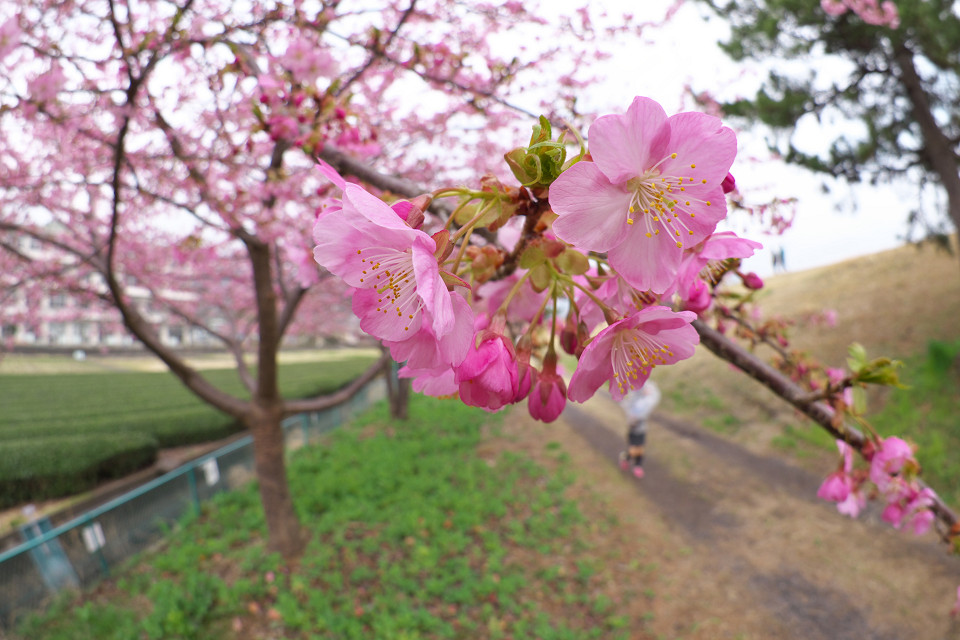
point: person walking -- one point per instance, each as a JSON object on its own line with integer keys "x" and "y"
{"x": 638, "y": 404}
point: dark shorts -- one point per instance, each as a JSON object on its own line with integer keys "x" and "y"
{"x": 636, "y": 439}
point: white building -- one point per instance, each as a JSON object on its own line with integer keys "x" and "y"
{"x": 42, "y": 317}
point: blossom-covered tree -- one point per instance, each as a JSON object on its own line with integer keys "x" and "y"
{"x": 166, "y": 151}
{"x": 155, "y": 145}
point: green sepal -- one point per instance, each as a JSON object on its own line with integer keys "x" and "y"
{"x": 880, "y": 371}
{"x": 856, "y": 357}
{"x": 859, "y": 401}
{"x": 452, "y": 280}
{"x": 540, "y": 277}
{"x": 532, "y": 256}
{"x": 572, "y": 263}
{"x": 539, "y": 164}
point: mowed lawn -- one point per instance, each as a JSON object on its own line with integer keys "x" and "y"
{"x": 61, "y": 433}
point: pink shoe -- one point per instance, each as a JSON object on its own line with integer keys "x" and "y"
{"x": 624, "y": 463}
{"x": 638, "y": 472}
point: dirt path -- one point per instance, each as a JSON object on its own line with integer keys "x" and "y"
{"x": 718, "y": 542}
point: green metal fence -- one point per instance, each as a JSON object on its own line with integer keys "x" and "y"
{"x": 86, "y": 548}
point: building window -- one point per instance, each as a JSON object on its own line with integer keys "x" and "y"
{"x": 58, "y": 301}
{"x": 56, "y": 332}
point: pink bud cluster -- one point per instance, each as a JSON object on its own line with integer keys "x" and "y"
{"x": 891, "y": 477}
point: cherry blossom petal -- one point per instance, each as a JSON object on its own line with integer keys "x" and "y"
{"x": 592, "y": 211}
{"x": 624, "y": 146}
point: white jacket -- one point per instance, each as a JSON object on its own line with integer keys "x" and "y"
{"x": 640, "y": 403}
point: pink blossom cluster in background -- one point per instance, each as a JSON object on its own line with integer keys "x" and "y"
{"x": 882, "y": 14}
{"x": 892, "y": 477}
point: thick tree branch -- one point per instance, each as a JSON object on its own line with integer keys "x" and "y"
{"x": 937, "y": 147}
{"x": 261, "y": 263}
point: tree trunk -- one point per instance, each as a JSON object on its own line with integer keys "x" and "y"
{"x": 939, "y": 150}
{"x": 400, "y": 402}
{"x": 398, "y": 392}
{"x": 286, "y": 535}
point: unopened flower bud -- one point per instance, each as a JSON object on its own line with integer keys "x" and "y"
{"x": 568, "y": 336}
{"x": 752, "y": 281}
{"x": 729, "y": 183}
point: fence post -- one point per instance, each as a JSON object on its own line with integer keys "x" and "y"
{"x": 194, "y": 492}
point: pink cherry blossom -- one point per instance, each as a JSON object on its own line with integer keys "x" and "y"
{"x": 45, "y": 86}
{"x": 425, "y": 352}
{"x": 697, "y": 297}
{"x": 283, "y": 127}
{"x": 10, "y": 36}
{"x": 653, "y": 187}
{"x": 704, "y": 260}
{"x": 392, "y": 266}
{"x": 836, "y": 488}
{"x": 752, "y": 281}
{"x": 911, "y": 507}
{"x": 841, "y": 487}
{"x": 612, "y": 291}
{"x": 729, "y": 184}
{"x": 526, "y": 373}
{"x": 884, "y": 14}
{"x": 854, "y": 503}
{"x": 432, "y": 382}
{"x": 489, "y": 377}
{"x": 524, "y": 305}
{"x": 549, "y": 394}
{"x": 625, "y": 353}
{"x": 307, "y": 275}
{"x": 889, "y": 460}
{"x": 308, "y": 62}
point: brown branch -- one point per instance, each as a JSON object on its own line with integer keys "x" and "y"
{"x": 293, "y": 407}
{"x": 937, "y": 147}
{"x": 377, "y": 50}
{"x": 267, "y": 321}
{"x": 347, "y": 165}
{"x": 132, "y": 318}
{"x": 820, "y": 413}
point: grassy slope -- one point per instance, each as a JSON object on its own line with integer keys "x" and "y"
{"x": 893, "y": 303}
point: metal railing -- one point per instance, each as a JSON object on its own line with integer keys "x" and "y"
{"x": 84, "y": 549}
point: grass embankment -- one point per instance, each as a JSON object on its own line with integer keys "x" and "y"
{"x": 902, "y": 303}
{"x": 61, "y": 434}
{"x": 415, "y": 534}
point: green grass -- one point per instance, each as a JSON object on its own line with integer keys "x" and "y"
{"x": 804, "y": 440}
{"x": 62, "y": 433}
{"x": 928, "y": 413}
{"x": 413, "y": 536}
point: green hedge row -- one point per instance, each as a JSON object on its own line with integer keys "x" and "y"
{"x": 63, "y": 465}
{"x": 63, "y": 434}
